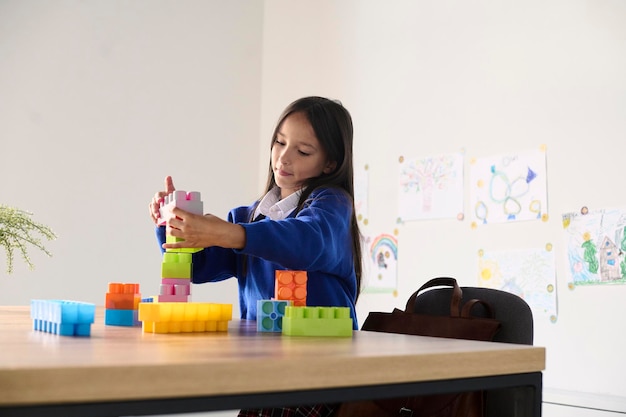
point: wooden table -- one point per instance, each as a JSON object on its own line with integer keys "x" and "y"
{"x": 123, "y": 371}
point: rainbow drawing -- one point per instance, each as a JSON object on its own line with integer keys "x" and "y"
{"x": 383, "y": 245}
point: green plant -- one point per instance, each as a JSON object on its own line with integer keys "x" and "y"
{"x": 17, "y": 231}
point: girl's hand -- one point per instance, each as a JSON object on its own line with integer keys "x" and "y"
{"x": 154, "y": 205}
{"x": 203, "y": 231}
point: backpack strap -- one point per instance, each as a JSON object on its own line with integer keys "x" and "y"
{"x": 455, "y": 301}
{"x": 467, "y": 308}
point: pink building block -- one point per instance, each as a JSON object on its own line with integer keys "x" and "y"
{"x": 175, "y": 286}
{"x": 173, "y": 298}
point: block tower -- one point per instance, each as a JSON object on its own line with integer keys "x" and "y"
{"x": 289, "y": 290}
{"x": 122, "y": 304}
{"x": 176, "y": 267}
{"x": 176, "y": 271}
{"x": 171, "y": 311}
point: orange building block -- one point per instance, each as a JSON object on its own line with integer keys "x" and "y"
{"x": 291, "y": 285}
{"x": 122, "y": 296}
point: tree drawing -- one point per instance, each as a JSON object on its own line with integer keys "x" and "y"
{"x": 426, "y": 175}
{"x": 590, "y": 253}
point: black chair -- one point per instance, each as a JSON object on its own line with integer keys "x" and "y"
{"x": 511, "y": 310}
{"x": 517, "y": 327}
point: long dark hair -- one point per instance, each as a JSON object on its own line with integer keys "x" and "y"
{"x": 332, "y": 125}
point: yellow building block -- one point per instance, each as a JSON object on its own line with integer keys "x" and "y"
{"x": 184, "y": 317}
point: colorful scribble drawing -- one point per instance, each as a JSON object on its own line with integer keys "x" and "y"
{"x": 431, "y": 187}
{"x": 527, "y": 273}
{"x": 509, "y": 188}
{"x": 381, "y": 275}
{"x": 596, "y": 247}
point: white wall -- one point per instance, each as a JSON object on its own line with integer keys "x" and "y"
{"x": 431, "y": 77}
{"x": 100, "y": 100}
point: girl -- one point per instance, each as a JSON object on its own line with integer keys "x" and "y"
{"x": 305, "y": 221}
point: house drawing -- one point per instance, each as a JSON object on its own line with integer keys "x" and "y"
{"x": 609, "y": 260}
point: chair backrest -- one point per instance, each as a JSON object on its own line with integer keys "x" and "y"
{"x": 512, "y": 311}
{"x": 517, "y": 327}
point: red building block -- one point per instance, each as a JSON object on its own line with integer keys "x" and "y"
{"x": 122, "y": 296}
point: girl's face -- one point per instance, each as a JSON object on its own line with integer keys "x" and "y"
{"x": 297, "y": 155}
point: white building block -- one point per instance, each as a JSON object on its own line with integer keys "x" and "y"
{"x": 188, "y": 201}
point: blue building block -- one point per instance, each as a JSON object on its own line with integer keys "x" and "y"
{"x": 62, "y": 317}
{"x": 114, "y": 317}
{"x": 269, "y": 315}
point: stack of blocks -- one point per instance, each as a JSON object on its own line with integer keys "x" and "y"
{"x": 171, "y": 311}
{"x": 122, "y": 304}
{"x": 288, "y": 313}
{"x": 62, "y": 317}
{"x": 176, "y": 268}
{"x": 184, "y": 317}
{"x": 289, "y": 289}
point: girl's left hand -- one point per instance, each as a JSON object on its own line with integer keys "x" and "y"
{"x": 203, "y": 231}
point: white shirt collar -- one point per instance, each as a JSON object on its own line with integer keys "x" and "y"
{"x": 272, "y": 207}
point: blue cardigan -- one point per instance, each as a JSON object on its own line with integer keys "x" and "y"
{"x": 316, "y": 240}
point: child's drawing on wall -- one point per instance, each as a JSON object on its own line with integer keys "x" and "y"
{"x": 527, "y": 273}
{"x": 511, "y": 187}
{"x": 596, "y": 246}
{"x": 381, "y": 271}
{"x": 431, "y": 187}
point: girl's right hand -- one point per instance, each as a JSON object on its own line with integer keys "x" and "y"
{"x": 155, "y": 204}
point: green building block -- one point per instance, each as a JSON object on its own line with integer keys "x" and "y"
{"x": 176, "y": 265}
{"x": 174, "y": 239}
{"x": 317, "y": 321}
